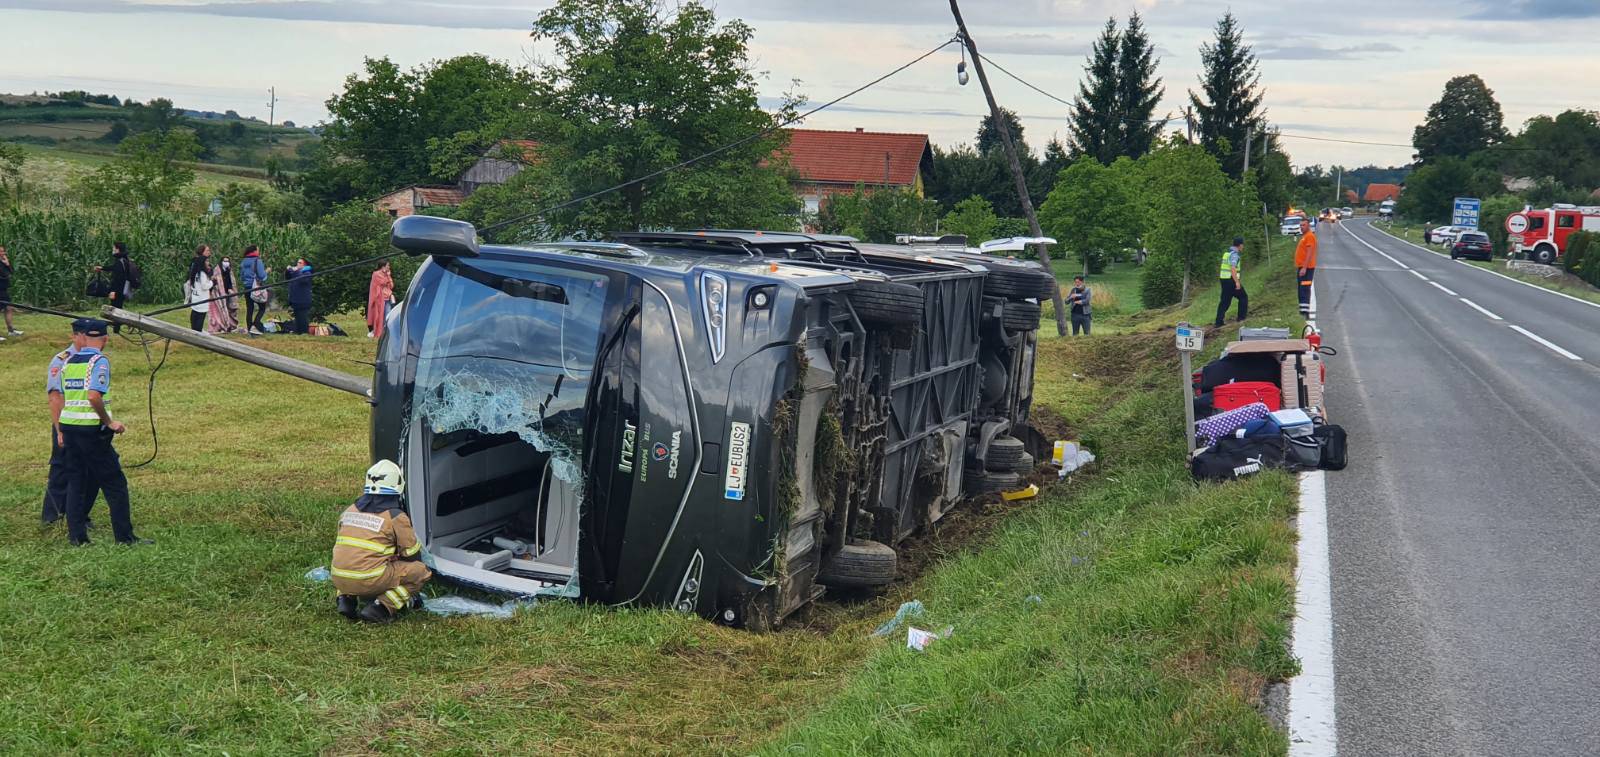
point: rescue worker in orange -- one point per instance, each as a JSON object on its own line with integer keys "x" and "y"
{"x": 377, "y": 555}
{"x": 1305, "y": 264}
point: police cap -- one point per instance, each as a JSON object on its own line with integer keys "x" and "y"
{"x": 93, "y": 327}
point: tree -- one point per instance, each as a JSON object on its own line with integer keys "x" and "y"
{"x": 241, "y": 200}
{"x": 158, "y": 116}
{"x": 1466, "y": 119}
{"x": 962, "y": 172}
{"x": 1432, "y": 188}
{"x": 150, "y": 171}
{"x": 1091, "y": 212}
{"x": 11, "y": 160}
{"x": 641, "y": 86}
{"x": 420, "y": 126}
{"x": 1194, "y": 208}
{"x": 1565, "y": 148}
{"x": 878, "y": 216}
{"x": 972, "y": 217}
{"x": 1096, "y": 126}
{"x": 1139, "y": 90}
{"x": 989, "y": 136}
{"x": 352, "y": 232}
{"x": 1228, "y": 106}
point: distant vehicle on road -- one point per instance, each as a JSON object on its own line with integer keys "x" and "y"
{"x": 1347, "y": 212}
{"x": 1386, "y": 209}
{"x": 1291, "y": 226}
{"x": 1472, "y": 244}
{"x": 1541, "y": 235}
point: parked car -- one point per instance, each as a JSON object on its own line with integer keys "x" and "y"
{"x": 725, "y": 423}
{"x": 1291, "y": 226}
{"x": 1347, "y": 212}
{"x": 1472, "y": 244}
{"x": 1444, "y": 235}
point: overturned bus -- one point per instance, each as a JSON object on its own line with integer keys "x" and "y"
{"x": 721, "y": 422}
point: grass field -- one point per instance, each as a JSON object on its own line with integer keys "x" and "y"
{"x": 56, "y": 169}
{"x": 1161, "y": 610}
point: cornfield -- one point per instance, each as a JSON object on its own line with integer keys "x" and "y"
{"x": 53, "y": 249}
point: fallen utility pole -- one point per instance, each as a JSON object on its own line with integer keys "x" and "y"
{"x": 298, "y": 368}
{"x": 1016, "y": 165}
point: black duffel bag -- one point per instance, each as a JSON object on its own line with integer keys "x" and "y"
{"x": 1334, "y": 446}
{"x": 1233, "y": 457}
{"x": 99, "y": 286}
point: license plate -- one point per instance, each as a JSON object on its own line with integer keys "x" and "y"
{"x": 738, "y": 461}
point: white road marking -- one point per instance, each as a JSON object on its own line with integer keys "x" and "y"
{"x": 1578, "y": 300}
{"x": 1380, "y": 252}
{"x": 1480, "y": 308}
{"x": 1312, "y": 727}
{"x": 1546, "y": 342}
{"x": 1444, "y": 289}
{"x": 1418, "y": 275}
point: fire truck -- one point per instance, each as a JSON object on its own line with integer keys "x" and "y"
{"x": 1541, "y": 235}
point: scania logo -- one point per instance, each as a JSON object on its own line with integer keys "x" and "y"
{"x": 659, "y": 451}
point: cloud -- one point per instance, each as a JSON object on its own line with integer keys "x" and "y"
{"x": 1535, "y": 10}
{"x": 427, "y": 13}
{"x": 1288, "y": 50}
{"x": 1031, "y": 44}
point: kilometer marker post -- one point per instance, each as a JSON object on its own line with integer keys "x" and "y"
{"x": 1190, "y": 340}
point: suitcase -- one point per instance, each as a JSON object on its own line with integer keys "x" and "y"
{"x": 1241, "y": 393}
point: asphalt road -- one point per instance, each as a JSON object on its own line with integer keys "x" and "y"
{"x": 1465, "y": 535}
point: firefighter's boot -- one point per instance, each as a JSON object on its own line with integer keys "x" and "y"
{"x": 377, "y": 612}
{"x": 347, "y": 605}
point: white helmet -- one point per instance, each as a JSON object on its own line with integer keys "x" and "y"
{"x": 384, "y": 477}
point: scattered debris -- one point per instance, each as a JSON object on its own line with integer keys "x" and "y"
{"x": 319, "y": 573}
{"x": 919, "y": 639}
{"x": 451, "y": 606}
{"x": 907, "y": 610}
{"x": 1033, "y": 599}
{"x": 1070, "y": 456}
{"x": 1029, "y": 492}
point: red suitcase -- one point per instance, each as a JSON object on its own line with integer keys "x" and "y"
{"x": 1241, "y": 393}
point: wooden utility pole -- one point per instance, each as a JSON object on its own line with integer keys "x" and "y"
{"x": 328, "y": 377}
{"x": 1016, "y": 165}
{"x": 1249, "y": 134}
{"x": 272, "y": 113}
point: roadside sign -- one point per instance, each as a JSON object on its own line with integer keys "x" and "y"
{"x": 1465, "y": 212}
{"x": 1516, "y": 223}
{"x": 1190, "y": 339}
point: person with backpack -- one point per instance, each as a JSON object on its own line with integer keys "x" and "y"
{"x": 253, "y": 274}
{"x": 126, "y": 278}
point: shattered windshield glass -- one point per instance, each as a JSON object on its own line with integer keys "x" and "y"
{"x": 509, "y": 347}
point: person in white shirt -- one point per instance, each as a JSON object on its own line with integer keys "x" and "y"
{"x": 197, "y": 288}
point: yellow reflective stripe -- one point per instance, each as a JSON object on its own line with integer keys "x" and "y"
{"x": 370, "y": 546}
{"x": 403, "y": 593}
{"x": 413, "y": 549}
{"x": 358, "y": 574}
{"x": 394, "y": 598}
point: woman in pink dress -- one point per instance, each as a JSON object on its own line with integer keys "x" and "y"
{"x": 218, "y": 319}
{"x": 380, "y": 296}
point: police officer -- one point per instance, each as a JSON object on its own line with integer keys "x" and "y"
{"x": 85, "y": 430}
{"x": 1232, "y": 286}
{"x": 376, "y": 554}
{"x": 55, "y": 491}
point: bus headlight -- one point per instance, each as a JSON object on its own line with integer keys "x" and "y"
{"x": 714, "y": 304}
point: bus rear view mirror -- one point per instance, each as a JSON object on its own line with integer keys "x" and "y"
{"x": 439, "y": 237}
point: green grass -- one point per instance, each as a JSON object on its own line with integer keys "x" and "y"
{"x": 1163, "y": 605}
{"x": 57, "y": 168}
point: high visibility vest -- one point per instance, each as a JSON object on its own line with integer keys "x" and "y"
{"x": 1227, "y": 270}
{"x": 75, "y": 390}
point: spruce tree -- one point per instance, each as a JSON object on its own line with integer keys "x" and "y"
{"x": 1139, "y": 90}
{"x": 1095, "y": 128}
{"x": 1231, "y": 104}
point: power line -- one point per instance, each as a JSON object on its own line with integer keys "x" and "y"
{"x": 1036, "y": 88}
{"x": 718, "y": 151}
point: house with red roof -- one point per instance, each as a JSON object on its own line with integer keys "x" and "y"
{"x": 834, "y": 162}
{"x": 1377, "y": 193}
{"x": 414, "y": 199}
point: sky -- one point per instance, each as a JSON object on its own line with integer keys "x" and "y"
{"x": 1362, "y": 70}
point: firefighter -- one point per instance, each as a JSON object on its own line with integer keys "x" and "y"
{"x": 377, "y": 555}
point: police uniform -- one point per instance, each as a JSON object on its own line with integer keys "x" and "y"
{"x": 1231, "y": 263}
{"x": 55, "y": 489}
{"x": 376, "y": 554}
{"x": 91, "y": 460}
